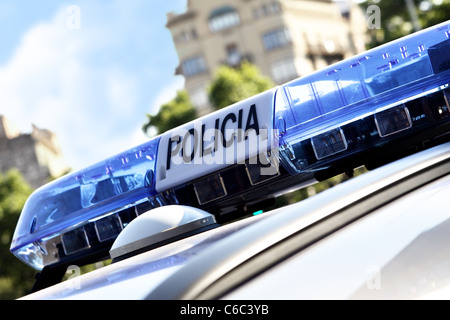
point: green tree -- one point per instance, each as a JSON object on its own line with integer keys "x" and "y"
{"x": 397, "y": 21}
{"x": 229, "y": 86}
{"x": 16, "y": 278}
{"x": 176, "y": 112}
{"x": 232, "y": 85}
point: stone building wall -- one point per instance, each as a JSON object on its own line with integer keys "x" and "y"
{"x": 36, "y": 155}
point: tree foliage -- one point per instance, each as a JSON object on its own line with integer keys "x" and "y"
{"x": 16, "y": 278}
{"x": 232, "y": 85}
{"x": 174, "y": 113}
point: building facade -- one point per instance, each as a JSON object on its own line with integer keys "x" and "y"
{"x": 36, "y": 155}
{"x": 285, "y": 39}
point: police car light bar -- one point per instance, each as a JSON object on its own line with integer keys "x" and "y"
{"x": 375, "y": 105}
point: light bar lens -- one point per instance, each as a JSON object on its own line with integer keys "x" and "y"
{"x": 51, "y": 223}
{"x": 310, "y": 112}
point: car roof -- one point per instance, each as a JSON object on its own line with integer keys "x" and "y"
{"x": 248, "y": 253}
{"x": 398, "y": 251}
{"x": 210, "y": 264}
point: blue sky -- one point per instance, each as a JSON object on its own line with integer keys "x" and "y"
{"x": 88, "y": 70}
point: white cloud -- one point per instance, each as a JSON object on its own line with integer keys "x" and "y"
{"x": 70, "y": 82}
{"x": 121, "y": 91}
{"x": 34, "y": 82}
{"x": 43, "y": 82}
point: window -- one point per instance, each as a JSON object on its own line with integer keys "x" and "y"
{"x": 185, "y": 36}
{"x": 274, "y": 7}
{"x": 283, "y": 70}
{"x": 233, "y": 55}
{"x": 199, "y": 97}
{"x": 266, "y": 9}
{"x": 223, "y": 18}
{"x": 193, "y": 66}
{"x": 276, "y": 39}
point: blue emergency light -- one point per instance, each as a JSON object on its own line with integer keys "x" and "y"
{"x": 371, "y": 108}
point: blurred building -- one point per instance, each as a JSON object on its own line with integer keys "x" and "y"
{"x": 36, "y": 155}
{"x": 285, "y": 39}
